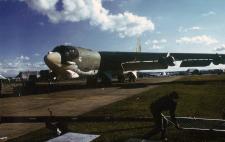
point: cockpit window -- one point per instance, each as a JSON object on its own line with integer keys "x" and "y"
{"x": 68, "y": 53}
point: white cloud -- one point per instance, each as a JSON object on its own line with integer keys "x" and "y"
{"x": 36, "y": 54}
{"x": 195, "y": 28}
{"x": 21, "y": 58}
{"x": 11, "y": 67}
{"x": 41, "y": 23}
{"x": 158, "y": 32}
{"x": 221, "y": 48}
{"x": 125, "y": 24}
{"x": 163, "y": 41}
{"x": 181, "y": 29}
{"x": 203, "y": 39}
{"x": 107, "y": 0}
{"x": 210, "y": 13}
{"x": 67, "y": 43}
{"x": 155, "y": 41}
{"x": 156, "y": 44}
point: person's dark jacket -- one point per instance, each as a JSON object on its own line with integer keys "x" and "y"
{"x": 165, "y": 103}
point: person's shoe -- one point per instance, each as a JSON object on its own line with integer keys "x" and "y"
{"x": 165, "y": 140}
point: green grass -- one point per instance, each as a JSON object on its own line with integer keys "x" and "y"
{"x": 197, "y": 98}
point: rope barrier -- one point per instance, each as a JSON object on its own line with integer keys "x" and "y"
{"x": 200, "y": 124}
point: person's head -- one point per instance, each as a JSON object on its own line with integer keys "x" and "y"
{"x": 174, "y": 95}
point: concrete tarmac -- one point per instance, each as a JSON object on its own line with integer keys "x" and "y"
{"x": 72, "y": 102}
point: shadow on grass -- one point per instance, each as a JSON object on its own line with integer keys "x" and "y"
{"x": 121, "y": 129}
{"x": 196, "y": 136}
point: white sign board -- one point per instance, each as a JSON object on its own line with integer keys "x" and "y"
{"x": 74, "y": 137}
{"x": 140, "y": 140}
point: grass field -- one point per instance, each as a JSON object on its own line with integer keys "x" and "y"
{"x": 200, "y": 96}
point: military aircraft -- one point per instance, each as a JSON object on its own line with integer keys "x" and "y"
{"x": 68, "y": 62}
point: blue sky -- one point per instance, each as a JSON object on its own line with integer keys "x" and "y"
{"x": 31, "y": 28}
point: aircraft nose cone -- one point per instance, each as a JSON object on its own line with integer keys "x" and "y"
{"x": 52, "y": 59}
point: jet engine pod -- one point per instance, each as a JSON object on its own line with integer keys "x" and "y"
{"x": 169, "y": 61}
{"x": 218, "y": 60}
{"x": 195, "y": 63}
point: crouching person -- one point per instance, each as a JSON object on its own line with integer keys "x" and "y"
{"x": 165, "y": 103}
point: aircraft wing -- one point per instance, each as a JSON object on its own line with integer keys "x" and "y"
{"x": 198, "y": 59}
{"x": 182, "y": 56}
{"x": 128, "y": 61}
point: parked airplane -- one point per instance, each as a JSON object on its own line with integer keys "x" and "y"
{"x": 68, "y": 62}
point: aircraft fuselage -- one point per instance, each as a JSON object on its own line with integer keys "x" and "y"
{"x": 71, "y": 62}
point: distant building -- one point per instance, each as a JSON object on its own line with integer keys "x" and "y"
{"x": 212, "y": 71}
{"x": 149, "y": 74}
{"x": 25, "y": 75}
{"x": 193, "y": 72}
{"x": 204, "y": 71}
